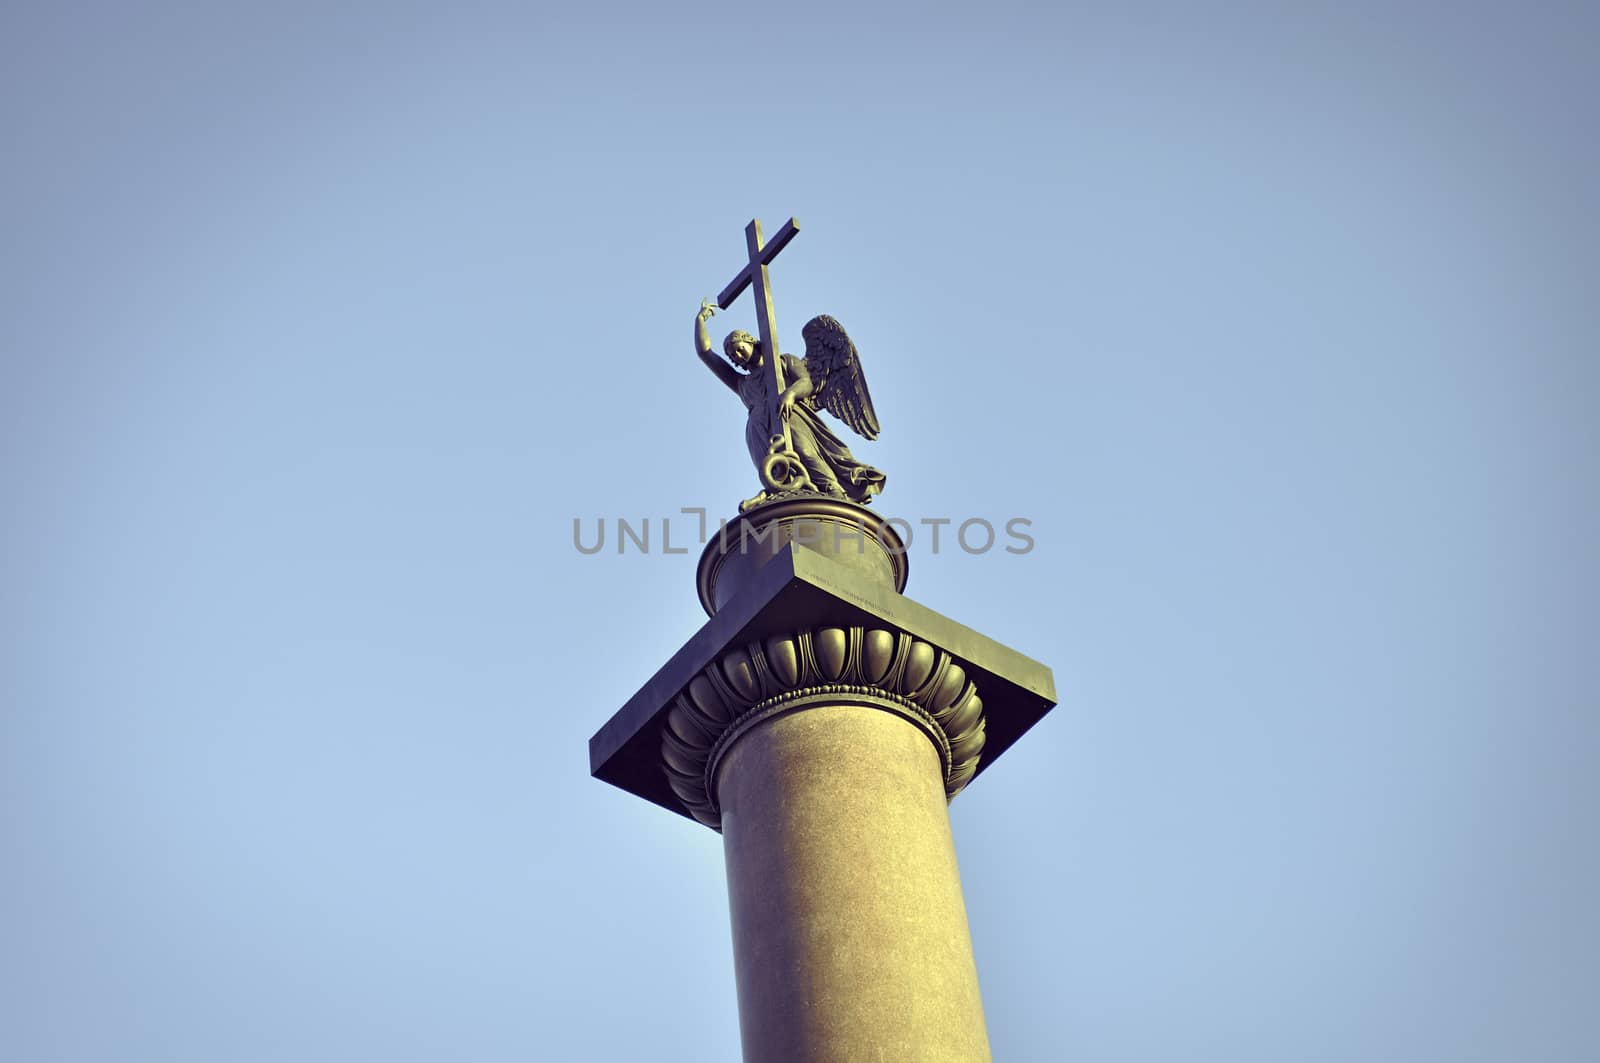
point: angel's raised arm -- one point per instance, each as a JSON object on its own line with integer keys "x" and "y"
{"x": 702, "y": 346}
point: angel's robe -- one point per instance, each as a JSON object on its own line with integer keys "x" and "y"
{"x": 833, "y": 469}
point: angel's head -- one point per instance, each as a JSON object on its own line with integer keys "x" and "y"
{"x": 742, "y": 349}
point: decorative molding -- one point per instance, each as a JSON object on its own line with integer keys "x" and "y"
{"x": 888, "y": 670}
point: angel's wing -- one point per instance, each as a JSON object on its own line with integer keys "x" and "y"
{"x": 837, "y": 382}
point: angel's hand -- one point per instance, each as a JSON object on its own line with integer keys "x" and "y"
{"x": 707, "y": 308}
{"x": 786, "y": 406}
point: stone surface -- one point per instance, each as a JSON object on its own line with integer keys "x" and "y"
{"x": 850, "y": 935}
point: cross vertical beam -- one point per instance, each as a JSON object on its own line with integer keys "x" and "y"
{"x": 754, "y": 273}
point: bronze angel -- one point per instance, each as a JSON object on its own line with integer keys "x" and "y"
{"x": 799, "y": 452}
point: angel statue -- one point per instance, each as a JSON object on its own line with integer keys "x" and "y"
{"x": 798, "y": 452}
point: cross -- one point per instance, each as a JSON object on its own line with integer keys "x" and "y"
{"x": 755, "y": 272}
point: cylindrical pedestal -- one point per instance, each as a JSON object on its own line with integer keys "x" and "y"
{"x": 850, "y": 935}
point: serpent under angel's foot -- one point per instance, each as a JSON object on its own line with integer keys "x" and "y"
{"x": 755, "y": 500}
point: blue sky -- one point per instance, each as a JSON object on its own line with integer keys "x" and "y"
{"x": 320, "y": 324}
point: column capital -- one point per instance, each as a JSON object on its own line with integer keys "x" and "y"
{"x": 887, "y": 670}
{"x": 752, "y": 646}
